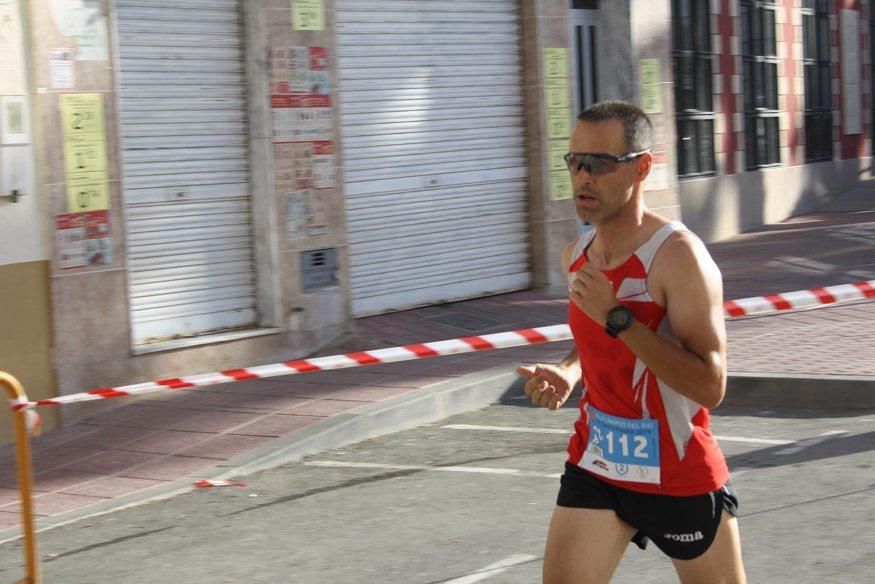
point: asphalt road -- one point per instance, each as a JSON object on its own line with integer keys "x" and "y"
{"x": 455, "y": 504}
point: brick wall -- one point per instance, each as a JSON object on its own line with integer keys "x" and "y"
{"x": 728, "y": 129}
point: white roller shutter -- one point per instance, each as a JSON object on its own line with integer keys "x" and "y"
{"x": 185, "y": 165}
{"x": 434, "y": 150}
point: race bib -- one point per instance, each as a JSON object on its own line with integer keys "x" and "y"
{"x": 622, "y": 449}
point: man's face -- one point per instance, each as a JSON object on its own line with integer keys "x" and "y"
{"x": 602, "y": 196}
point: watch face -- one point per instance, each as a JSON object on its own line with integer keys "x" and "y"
{"x": 620, "y": 317}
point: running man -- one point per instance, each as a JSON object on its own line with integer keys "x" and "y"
{"x": 646, "y": 312}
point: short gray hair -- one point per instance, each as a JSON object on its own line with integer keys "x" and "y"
{"x": 637, "y": 129}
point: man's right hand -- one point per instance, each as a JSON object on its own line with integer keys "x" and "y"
{"x": 549, "y": 386}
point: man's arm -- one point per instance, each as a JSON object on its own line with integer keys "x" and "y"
{"x": 550, "y": 386}
{"x": 693, "y": 293}
{"x": 685, "y": 277}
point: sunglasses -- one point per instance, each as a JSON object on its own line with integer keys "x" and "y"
{"x": 596, "y": 164}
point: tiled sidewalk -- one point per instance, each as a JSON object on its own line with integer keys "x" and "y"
{"x": 156, "y": 440}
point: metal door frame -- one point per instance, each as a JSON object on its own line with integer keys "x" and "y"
{"x": 585, "y": 71}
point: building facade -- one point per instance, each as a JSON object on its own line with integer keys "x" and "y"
{"x": 199, "y": 185}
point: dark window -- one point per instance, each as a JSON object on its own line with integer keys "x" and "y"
{"x": 585, "y": 4}
{"x": 694, "y": 86}
{"x": 760, "y": 56}
{"x": 818, "y": 80}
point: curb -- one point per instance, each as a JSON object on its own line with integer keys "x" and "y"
{"x": 788, "y": 390}
{"x": 415, "y": 408}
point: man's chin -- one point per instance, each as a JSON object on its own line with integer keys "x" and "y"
{"x": 587, "y": 215}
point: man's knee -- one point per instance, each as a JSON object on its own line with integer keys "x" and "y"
{"x": 584, "y": 546}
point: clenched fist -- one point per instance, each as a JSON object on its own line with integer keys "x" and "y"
{"x": 593, "y": 293}
{"x": 549, "y": 386}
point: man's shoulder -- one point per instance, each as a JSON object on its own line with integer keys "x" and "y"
{"x": 683, "y": 260}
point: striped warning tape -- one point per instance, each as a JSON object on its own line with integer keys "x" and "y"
{"x": 733, "y": 309}
{"x": 760, "y": 305}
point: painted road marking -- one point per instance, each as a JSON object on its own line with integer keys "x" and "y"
{"x": 568, "y": 433}
{"x": 809, "y": 442}
{"x": 493, "y": 569}
{"x": 507, "y": 429}
{"x": 468, "y": 469}
{"x": 744, "y": 440}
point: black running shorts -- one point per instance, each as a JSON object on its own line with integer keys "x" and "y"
{"x": 682, "y": 527}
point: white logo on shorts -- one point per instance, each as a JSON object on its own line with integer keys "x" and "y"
{"x": 685, "y": 537}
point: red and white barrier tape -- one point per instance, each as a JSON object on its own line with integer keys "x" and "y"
{"x": 32, "y": 420}
{"x": 757, "y": 306}
{"x": 761, "y": 305}
{"x": 205, "y": 483}
{"x": 406, "y": 353}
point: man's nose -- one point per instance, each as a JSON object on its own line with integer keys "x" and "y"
{"x": 580, "y": 178}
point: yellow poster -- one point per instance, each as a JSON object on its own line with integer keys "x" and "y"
{"x": 558, "y": 123}
{"x": 85, "y": 163}
{"x": 557, "y": 95}
{"x": 84, "y": 155}
{"x": 308, "y": 15}
{"x": 560, "y": 185}
{"x": 82, "y": 113}
{"x": 651, "y": 90}
{"x": 558, "y": 149}
{"x": 555, "y": 62}
{"x": 87, "y": 192}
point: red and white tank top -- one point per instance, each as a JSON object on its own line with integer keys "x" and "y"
{"x": 616, "y": 382}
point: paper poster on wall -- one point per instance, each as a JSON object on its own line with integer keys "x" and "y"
{"x": 82, "y": 113}
{"x": 323, "y": 165}
{"x": 13, "y": 120}
{"x": 308, "y": 15}
{"x": 70, "y": 240}
{"x": 301, "y": 156}
{"x": 87, "y": 192}
{"x": 557, "y": 95}
{"x": 560, "y": 185}
{"x": 84, "y": 152}
{"x": 558, "y": 123}
{"x": 318, "y": 80}
{"x": 11, "y": 48}
{"x": 61, "y": 68}
{"x": 296, "y": 213}
{"x": 83, "y": 22}
{"x": 302, "y": 118}
{"x": 84, "y": 155}
{"x": 299, "y": 70}
{"x": 306, "y": 214}
{"x": 83, "y": 239}
{"x": 317, "y": 214}
{"x": 289, "y": 70}
{"x": 556, "y": 62}
{"x": 651, "y": 87}
{"x": 558, "y": 149}
{"x": 284, "y": 169}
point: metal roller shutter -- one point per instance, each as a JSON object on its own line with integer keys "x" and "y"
{"x": 185, "y": 162}
{"x": 434, "y": 150}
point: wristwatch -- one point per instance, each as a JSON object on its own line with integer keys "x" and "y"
{"x": 619, "y": 319}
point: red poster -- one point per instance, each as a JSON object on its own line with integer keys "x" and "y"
{"x": 299, "y": 101}
{"x": 318, "y": 59}
{"x": 323, "y": 147}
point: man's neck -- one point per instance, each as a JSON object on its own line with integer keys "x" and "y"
{"x": 618, "y": 237}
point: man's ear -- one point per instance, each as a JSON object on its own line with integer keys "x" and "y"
{"x": 645, "y": 163}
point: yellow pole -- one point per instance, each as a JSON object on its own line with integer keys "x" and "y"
{"x": 25, "y": 478}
